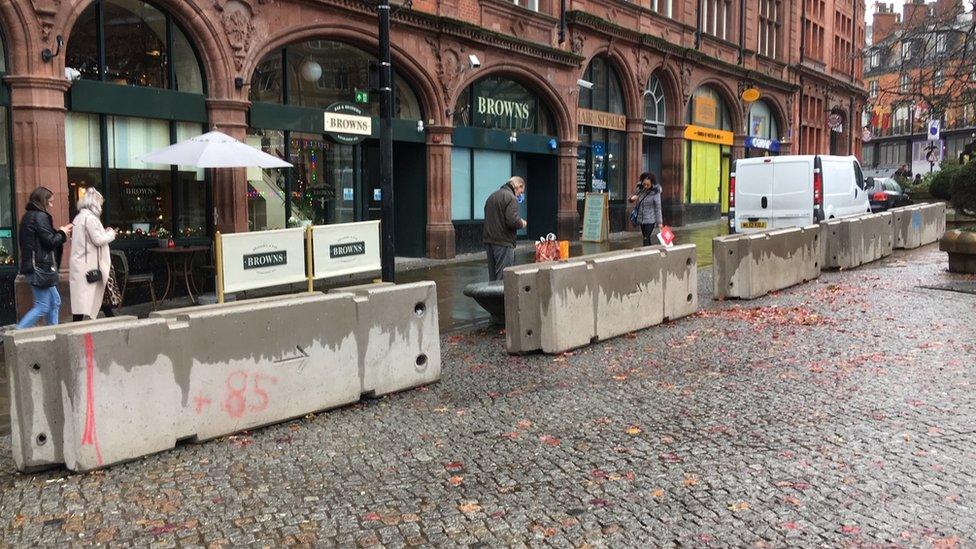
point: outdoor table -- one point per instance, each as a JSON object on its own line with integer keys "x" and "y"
{"x": 179, "y": 261}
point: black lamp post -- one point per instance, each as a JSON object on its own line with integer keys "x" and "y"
{"x": 387, "y": 224}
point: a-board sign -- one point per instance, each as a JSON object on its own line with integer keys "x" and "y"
{"x": 596, "y": 218}
{"x": 261, "y": 259}
{"x": 345, "y": 248}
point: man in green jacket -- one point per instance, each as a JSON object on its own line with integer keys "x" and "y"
{"x": 502, "y": 221}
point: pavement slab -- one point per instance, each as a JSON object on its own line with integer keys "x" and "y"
{"x": 835, "y": 413}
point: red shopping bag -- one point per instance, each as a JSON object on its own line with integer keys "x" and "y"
{"x": 547, "y": 249}
{"x": 666, "y": 236}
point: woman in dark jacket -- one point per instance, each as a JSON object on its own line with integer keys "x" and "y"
{"x": 40, "y": 252}
{"x": 648, "y": 199}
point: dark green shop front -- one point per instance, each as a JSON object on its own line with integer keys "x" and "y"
{"x": 335, "y": 178}
{"x": 501, "y": 130}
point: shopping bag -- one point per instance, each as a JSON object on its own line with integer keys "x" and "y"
{"x": 563, "y": 249}
{"x": 666, "y": 236}
{"x": 547, "y": 249}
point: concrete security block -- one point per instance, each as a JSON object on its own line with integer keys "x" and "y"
{"x": 680, "y": 270}
{"x": 567, "y": 307}
{"x": 907, "y": 227}
{"x": 752, "y": 265}
{"x": 398, "y": 336}
{"x": 628, "y": 292}
{"x": 113, "y": 390}
{"x": 933, "y": 223}
{"x": 36, "y": 413}
{"x": 841, "y": 243}
{"x": 523, "y": 329}
{"x": 877, "y": 236}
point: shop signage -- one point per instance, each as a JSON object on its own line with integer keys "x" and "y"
{"x": 261, "y": 259}
{"x": 503, "y": 104}
{"x": 654, "y": 129}
{"x": 503, "y": 108}
{"x": 706, "y": 110}
{"x": 866, "y": 135}
{"x": 347, "y": 123}
{"x": 762, "y": 143}
{"x": 596, "y": 218}
{"x": 600, "y": 119}
{"x": 6, "y": 232}
{"x": 345, "y": 249}
{"x": 265, "y": 259}
{"x": 709, "y": 135}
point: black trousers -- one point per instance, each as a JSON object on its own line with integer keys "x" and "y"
{"x": 106, "y": 310}
{"x": 499, "y": 257}
{"x": 647, "y": 229}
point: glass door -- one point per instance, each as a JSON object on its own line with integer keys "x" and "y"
{"x": 325, "y": 180}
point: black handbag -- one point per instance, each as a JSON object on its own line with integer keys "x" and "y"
{"x": 94, "y": 275}
{"x": 43, "y": 278}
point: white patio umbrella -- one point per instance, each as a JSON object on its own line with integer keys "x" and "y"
{"x": 213, "y": 150}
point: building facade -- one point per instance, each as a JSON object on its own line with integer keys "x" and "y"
{"x": 484, "y": 89}
{"x": 919, "y": 67}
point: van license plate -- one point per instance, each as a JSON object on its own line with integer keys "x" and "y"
{"x": 753, "y": 224}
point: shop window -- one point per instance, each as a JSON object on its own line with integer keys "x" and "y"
{"x": 662, "y": 7}
{"x": 761, "y": 121}
{"x": 654, "y": 103}
{"x": 707, "y": 108}
{"x": 606, "y": 93}
{"x": 475, "y": 174}
{"x": 266, "y": 188}
{"x": 499, "y": 103}
{"x": 137, "y": 50}
{"x": 323, "y": 72}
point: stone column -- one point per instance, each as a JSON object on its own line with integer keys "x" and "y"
{"x": 567, "y": 216}
{"x": 37, "y": 121}
{"x": 635, "y": 138}
{"x": 673, "y": 175}
{"x": 229, "y": 185}
{"x": 37, "y": 118}
{"x": 440, "y": 228}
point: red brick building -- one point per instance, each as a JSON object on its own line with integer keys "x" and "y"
{"x": 484, "y": 89}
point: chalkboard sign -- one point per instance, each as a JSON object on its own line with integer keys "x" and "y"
{"x": 596, "y": 219}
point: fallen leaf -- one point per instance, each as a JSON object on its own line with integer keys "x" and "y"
{"x": 849, "y": 529}
{"x": 633, "y": 430}
{"x": 598, "y": 502}
{"x": 524, "y": 424}
{"x": 791, "y": 525}
{"x": 946, "y": 543}
{"x": 690, "y": 480}
{"x": 456, "y": 480}
{"x": 739, "y": 506}
{"x": 549, "y": 440}
{"x": 454, "y": 466}
{"x": 469, "y": 507}
{"x": 658, "y": 493}
{"x": 620, "y": 377}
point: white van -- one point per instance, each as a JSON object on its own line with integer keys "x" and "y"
{"x": 793, "y": 191}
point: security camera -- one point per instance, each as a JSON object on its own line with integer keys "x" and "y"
{"x": 72, "y": 74}
{"x": 584, "y": 84}
{"x": 475, "y": 62}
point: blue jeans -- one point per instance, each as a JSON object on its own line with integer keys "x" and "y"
{"x": 47, "y": 305}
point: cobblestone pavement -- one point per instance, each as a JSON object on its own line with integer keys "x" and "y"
{"x": 837, "y": 413}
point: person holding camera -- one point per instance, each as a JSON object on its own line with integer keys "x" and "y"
{"x": 90, "y": 263}
{"x": 647, "y": 212}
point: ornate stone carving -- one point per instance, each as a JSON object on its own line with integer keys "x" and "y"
{"x": 236, "y": 17}
{"x": 46, "y": 10}
{"x": 578, "y": 42}
{"x": 684, "y": 77}
{"x": 643, "y": 68}
{"x": 448, "y": 65}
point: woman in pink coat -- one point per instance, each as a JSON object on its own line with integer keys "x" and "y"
{"x": 89, "y": 251}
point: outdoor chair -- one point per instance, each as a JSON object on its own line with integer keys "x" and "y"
{"x": 124, "y": 278}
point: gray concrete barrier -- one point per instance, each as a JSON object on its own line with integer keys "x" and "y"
{"x": 918, "y": 225}
{"x": 680, "y": 270}
{"x": 853, "y": 241}
{"x": 126, "y": 388}
{"x": 34, "y": 382}
{"x": 558, "y": 306}
{"x": 747, "y": 266}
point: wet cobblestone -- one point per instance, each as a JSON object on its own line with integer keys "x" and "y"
{"x": 837, "y": 413}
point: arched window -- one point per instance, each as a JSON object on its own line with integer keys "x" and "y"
{"x": 142, "y": 47}
{"x": 761, "y": 121}
{"x": 606, "y": 93}
{"x": 8, "y": 247}
{"x": 323, "y": 72}
{"x": 654, "y": 105}
{"x": 707, "y": 108}
{"x": 120, "y": 48}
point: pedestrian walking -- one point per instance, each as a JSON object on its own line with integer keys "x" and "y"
{"x": 40, "y": 255}
{"x": 502, "y": 222}
{"x": 90, "y": 262}
{"x": 647, "y": 211}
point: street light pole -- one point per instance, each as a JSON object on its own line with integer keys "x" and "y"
{"x": 388, "y": 248}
